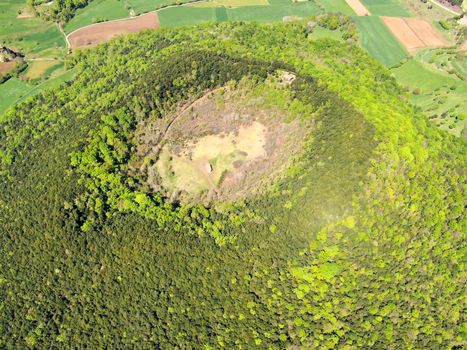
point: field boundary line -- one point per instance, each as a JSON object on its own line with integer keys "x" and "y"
{"x": 127, "y": 18}
{"x": 415, "y": 33}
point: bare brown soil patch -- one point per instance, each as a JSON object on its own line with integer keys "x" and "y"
{"x": 358, "y": 7}
{"x": 222, "y": 146}
{"x": 102, "y": 32}
{"x": 415, "y": 33}
{"x": 5, "y": 67}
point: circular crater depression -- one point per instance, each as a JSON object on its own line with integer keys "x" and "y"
{"x": 226, "y": 145}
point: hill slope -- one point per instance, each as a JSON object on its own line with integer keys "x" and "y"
{"x": 356, "y": 243}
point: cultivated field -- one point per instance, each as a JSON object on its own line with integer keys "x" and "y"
{"x": 386, "y": 8}
{"x": 97, "y": 11}
{"x": 31, "y": 36}
{"x": 358, "y": 7}
{"x": 15, "y": 90}
{"x": 334, "y": 6}
{"x": 414, "y": 33}
{"x": 377, "y": 39}
{"x": 214, "y": 12}
{"x": 10, "y": 92}
{"x": 101, "y": 32}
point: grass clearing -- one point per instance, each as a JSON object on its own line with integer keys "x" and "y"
{"x": 97, "y": 11}
{"x": 386, "y": 8}
{"x": 440, "y": 95}
{"x": 27, "y": 35}
{"x": 274, "y": 12}
{"x": 185, "y": 15}
{"x": 320, "y": 32}
{"x": 377, "y": 39}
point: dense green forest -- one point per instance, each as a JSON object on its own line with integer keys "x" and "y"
{"x": 360, "y": 243}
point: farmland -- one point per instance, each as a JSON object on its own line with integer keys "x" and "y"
{"x": 333, "y": 6}
{"x": 97, "y": 11}
{"x": 214, "y": 12}
{"x": 29, "y": 35}
{"x": 101, "y": 32}
{"x": 10, "y": 92}
{"x": 15, "y": 90}
{"x": 377, "y": 39}
{"x": 391, "y": 8}
{"x": 414, "y": 33}
{"x": 42, "y": 69}
{"x": 110, "y": 239}
{"x": 440, "y": 95}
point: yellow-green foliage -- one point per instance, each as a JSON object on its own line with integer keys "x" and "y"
{"x": 358, "y": 245}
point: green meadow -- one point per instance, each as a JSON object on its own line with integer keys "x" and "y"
{"x": 392, "y": 8}
{"x": 31, "y": 36}
{"x": 335, "y": 6}
{"x": 16, "y": 90}
{"x": 97, "y": 11}
{"x": 214, "y": 12}
{"x": 11, "y": 91}
{"x": 376, "y": 38}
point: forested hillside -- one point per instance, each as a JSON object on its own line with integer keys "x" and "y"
{"x": 358, "y": 242}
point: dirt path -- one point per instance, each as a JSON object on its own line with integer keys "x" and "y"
{"x": 172, "y": 122}
{"x": 445, "y": 7}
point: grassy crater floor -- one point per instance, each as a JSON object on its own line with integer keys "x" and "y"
{"x": 225, "y": 144}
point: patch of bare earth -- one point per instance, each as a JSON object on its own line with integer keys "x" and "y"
{"x": 415, "y": 33}
{"x": 5, "y": 67}
{"x": 102, "y": 32}
{"x": 358, "y": 7}
{"x": 222, "y": 146}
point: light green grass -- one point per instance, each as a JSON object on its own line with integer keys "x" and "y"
{"x": 10, "y": 92}
{"x": 392, "y": 8}
{"x": 97, "y": 10}
{"x": 184, "y": 15}
{"x": 29, "y": 35}
{"x": 418, "y": 75}
{"x": 439, "y": 93}
{"x": 15, "y": 90}
{"x": 378, "y": 41}
{"x": 336, "y": 6}
{"x": 276, "y": 11}
{"x": 320, "y": 32}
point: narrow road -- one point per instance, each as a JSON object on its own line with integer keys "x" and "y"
{"x": 445, "y": 7}
{"x": 124, "y": 19}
